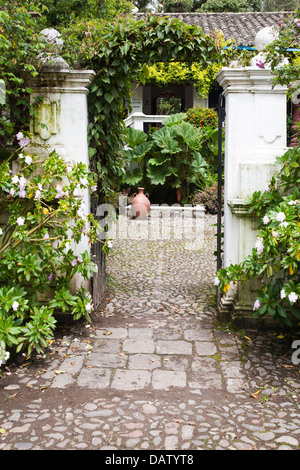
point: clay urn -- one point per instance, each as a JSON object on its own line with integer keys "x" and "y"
{"x": 140, "y": 205}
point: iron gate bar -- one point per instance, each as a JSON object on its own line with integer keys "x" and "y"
{"x": 98, "y": 280}
{"x": 221, "y": 119}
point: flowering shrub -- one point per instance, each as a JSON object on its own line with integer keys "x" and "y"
{"x": 209, "y": 198}
{"x": 275, "y": 259}
{"x": 202, "y": 117}
{"x": 39, "y": 201}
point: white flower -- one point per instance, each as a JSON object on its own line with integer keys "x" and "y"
{"x": 266, "y": 220}
{"x": 82, "y": 211}
{"x": 40, "y": 186}
{"x": 282, "y": 294}
{"x": 259, "y": 245}
{"x": 275, "y": 234}
{"x": 15, "y": 305}
{"x": 280, "y": 217}
{"x": 1, "y": 231}
{"x": 77, "y": 191}
{"x": 216, "y": 281}
{"x": 89, "y": 307}
{"x": 46, "y": 236}
{"x": 256, "y": 305}
{"x": 3, "y": 358}
{"x": 284, "y": 224}
{"x": 292, "y": 203}
{"x": 20, "y": 221}
{"x": 20, "y": 135}
{"x": 28, "y": 159}
{"x": 293, "y": 297}
{"x": 15, "y": 179}
{"x": 38, "y": 194}
{"x": 110, "y": 244}
{"x": 12, "y": 191}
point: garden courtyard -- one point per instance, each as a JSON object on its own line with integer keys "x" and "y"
{"x": 117, "y": 336}
{"x": 155, "y": 369}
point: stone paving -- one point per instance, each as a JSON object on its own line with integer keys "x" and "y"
{"x": 155, "y": 370}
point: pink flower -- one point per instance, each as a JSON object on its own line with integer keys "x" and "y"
{"x": 256, "y": 305}
{"x": 22, "y": 182}
{"x": 24, "y": 142}
{"x": 74, "y": 262}
{"x": 59, "y": 190}
{"x": 260, "y": 63}
{"x": 50, "y": 277}
{"x": 297, "y": 22}
{"x": 259, "y": 245}
{"x": 22, "y": 193}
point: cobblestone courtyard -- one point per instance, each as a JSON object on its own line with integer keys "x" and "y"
{"x": 155, "y": 370}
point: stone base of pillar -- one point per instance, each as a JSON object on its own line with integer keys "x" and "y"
{"x": 237, "y": 308}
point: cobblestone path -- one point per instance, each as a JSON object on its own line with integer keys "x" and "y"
{"x": 155, "y": 370}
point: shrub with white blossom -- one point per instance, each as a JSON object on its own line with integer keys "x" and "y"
{"x": 275, "y": 259}
{"x": 42, "y": 218}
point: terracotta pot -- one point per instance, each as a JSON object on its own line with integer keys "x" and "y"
{"x": 178, "y": 193}
{"x": 140, "y": 205}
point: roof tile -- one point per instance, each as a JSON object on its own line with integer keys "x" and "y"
{"x": 242, "y": 27}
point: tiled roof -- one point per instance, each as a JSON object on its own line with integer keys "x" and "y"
{"x": 242, "y": 27}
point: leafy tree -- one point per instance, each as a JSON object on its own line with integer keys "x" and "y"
{"x": 174, "y": 6}
{"x": 220, "y": 6}
{"x": 57, "y": 13}
{"x": 280, "y": 5}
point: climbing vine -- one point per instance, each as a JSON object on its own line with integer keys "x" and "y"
{"x": 203, "y": 78}
{"x": 121, "y": 53}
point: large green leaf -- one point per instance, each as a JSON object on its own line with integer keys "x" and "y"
{"x": 158, "y": 174}
{"x": 164, "y": 139}
{"x": 174, "y": 119}
{"x": 159, "y": 160}
{"x": 190, "y": 135}
{"x": 134, "y": 137}
{"x": 133, "y": 178}
{"x": 138, "y": 153}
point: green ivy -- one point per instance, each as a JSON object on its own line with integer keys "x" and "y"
{"x": 120, "y": 53}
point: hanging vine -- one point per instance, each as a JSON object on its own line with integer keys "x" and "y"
{"x": 120, "y": 53}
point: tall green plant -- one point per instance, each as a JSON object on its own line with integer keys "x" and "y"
{"x": 177, "y": 153}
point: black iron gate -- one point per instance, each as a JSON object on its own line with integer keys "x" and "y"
{"x": 98, "y": 281}
{"x": 221, "y": 115}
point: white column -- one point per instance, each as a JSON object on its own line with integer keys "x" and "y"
{"x": 255, "y": 134}
{"x": 60, "y": 97}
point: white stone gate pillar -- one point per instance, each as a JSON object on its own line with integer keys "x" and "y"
{"x": 255, "y": 134}
{"x": 59, "y": 96}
